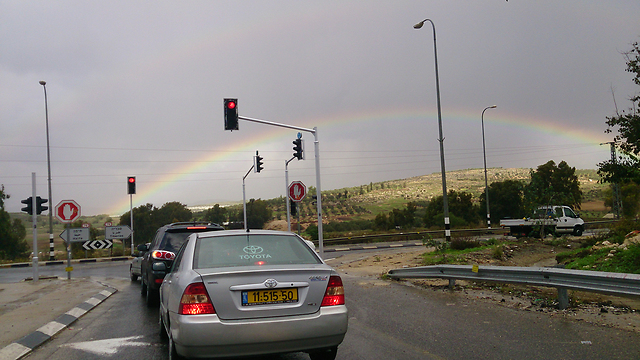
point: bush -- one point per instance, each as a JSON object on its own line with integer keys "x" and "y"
{"x": 463, "y": 244}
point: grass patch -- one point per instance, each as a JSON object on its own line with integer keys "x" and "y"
{"x": 622, "y": 261}
{"x": 448, "y": 256}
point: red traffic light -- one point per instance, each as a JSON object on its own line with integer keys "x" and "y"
{"x": 131, "y": 185}
{"x": 231, "y": 104}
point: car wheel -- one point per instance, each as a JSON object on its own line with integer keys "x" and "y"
{"x": 163, "y": 330}
{"x": 173, "y": 355}
{"x": 577, "y": 231}
{"x": 132, "y": 275}
{"x": 153, "y": 297}
{"x": 143, "y": 287}
{"x": 324, "y": 354}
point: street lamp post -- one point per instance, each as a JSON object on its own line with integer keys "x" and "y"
{"x": 46, "y": 111}
{"x": 484, "y": 153}
{"x": 445, "y": 201}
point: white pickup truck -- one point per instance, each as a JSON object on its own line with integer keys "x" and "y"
{"x": 555, "y": 219}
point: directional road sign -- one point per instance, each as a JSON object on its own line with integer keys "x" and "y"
{"x": 67, "y": 211}
{"x": 97, "y": 244}
{"x": 117, "y": 232}
{"x": 76, "y": 234}
{"x": 297, "y": 191}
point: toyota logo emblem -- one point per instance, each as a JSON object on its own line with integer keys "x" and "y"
{"x": 270, "y": 283}
{"x": 253, "y": 249}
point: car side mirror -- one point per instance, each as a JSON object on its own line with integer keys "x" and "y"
{"x": 143, "y": 248}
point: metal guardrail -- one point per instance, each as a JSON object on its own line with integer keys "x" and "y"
{"x": 562, "y": 279}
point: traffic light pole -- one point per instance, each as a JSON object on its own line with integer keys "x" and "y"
{"x": 34, "y": 221}
{"x": 286, "y": 191}
{"x": 244, "y": 197}
{"x": 316, "y": 144}
{"x": 131, "y": 221}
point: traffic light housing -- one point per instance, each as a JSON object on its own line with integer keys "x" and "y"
{"x": 131, "y": 185}
{"x": 39, "y": 207}
{"x": 257, "y": 163}
{"x": 298, "y": 149}
{"x": 231, "y": 114}
{"x": 29, "y": 208}
{"x": 293, "y": 206}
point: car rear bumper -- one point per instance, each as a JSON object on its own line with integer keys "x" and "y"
{"x": 208, "y": 336}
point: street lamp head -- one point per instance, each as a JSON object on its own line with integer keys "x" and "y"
{"x": 493, "y": 106}
{"x": 421, "y": 24}
{"x": 43, "y": 83}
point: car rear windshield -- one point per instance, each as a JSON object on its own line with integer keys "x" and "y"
{"x": 173, "y": 239}
{"x": 252, "y": 249}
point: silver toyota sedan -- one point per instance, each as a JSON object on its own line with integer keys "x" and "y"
{"x": 239, "y": 293}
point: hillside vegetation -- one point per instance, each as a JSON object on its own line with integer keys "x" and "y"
{"x": 366, "y": 201}
{"x": 351, "y": 211}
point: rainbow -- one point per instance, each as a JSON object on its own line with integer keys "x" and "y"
{"x": 325, "y": 125}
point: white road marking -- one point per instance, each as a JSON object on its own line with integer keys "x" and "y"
{"x": 107, "y": 346}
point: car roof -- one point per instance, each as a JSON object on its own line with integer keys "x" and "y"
{"x": 189, "y": 224}
{"x": 244, "y": 232}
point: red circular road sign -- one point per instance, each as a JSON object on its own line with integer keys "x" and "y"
{"x": 67, "y": 211}
{"x": 297, "y": 191}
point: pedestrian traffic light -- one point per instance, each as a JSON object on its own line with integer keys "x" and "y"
{"x": 29, "y": 208}
{"x": 257, "y": 163}
{"x": 231, "y": 114}
{"x": 39, "y": 207}
{"x": 131, "y": 185}
{"x": 294, "y": 207}
{"x": 298, "y": 149}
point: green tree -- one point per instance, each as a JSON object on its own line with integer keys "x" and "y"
{"x": 143, "y": 220}
{"x": 381, "y": 222}
{"x": 624, "y": 169}
{"x": 630, "y": 198}
{"x": 461, "y": 208}
{"x": 258, "y": 213}
{"x": 172, "y": 212}
{"x": 505, "y": 200}
{"x": 12, "y": 234}
{"x": 216, "y": 214}
{"x": 551, "y": 184}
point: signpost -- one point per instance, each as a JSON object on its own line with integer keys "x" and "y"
{"x": 117, "y": 232}
{"x": 68, "y": 211}
{"x": 297, "y": 191}
{"x": 97, "y": 244}
{"x": 76, "y": 234}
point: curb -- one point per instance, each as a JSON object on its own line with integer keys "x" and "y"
{"x": 19, "y": 348}
{"x": 62, "y": 262}
{"x": 373, "y": 247}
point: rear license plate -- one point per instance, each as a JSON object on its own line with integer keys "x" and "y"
{"x": 271, "y": 296}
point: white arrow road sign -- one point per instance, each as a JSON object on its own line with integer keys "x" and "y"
{"x": 97, "y": 244}
{"x": 117, "y": 232}
{"x": 107, "y": 346}
{"x": 76, "y": 234}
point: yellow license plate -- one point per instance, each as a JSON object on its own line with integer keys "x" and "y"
{"x": 271, "y": 296}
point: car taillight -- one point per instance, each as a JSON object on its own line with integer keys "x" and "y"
{"x": 163, "y": 255}
{"x": 335, "y": 292}
{"x": 195, "y": 301}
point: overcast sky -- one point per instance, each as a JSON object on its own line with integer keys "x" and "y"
{"x": 135, "y": 88}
